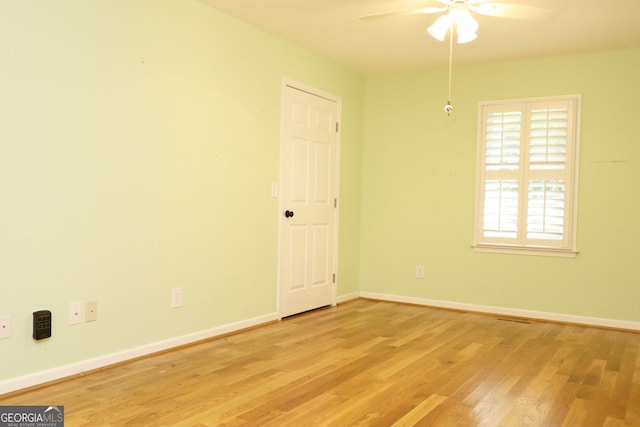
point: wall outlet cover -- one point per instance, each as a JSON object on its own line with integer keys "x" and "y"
{"x": 91, "y": 311}
{"x": 75, "y": 313}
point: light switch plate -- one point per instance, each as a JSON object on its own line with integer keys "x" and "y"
{"x": 176, "y": 297}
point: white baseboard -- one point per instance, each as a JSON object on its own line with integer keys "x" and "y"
{"x": 505, "y": 311}
{"x": 42, "y": 377}
{"x": 341, "y": 299}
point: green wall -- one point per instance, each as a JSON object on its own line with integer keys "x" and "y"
{"x": 138, "y": 145}
{"x": 140, "y": 138}
{"x": 419, "y": 189}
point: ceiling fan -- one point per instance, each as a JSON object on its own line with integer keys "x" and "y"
{"x": 459, "y": 15}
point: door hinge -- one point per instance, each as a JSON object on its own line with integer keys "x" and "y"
{"x": 337, "y": 127}
{"x": 335, "y": 202}
{"x": 334, "y": 277}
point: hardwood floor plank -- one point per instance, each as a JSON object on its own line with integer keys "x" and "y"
{"x": 370, "y": 363}
{"x": 415, "y": 415}
{"x": 633, "y": 406}
{"x": 577, "y": 414}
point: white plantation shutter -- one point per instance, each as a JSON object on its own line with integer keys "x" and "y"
{"x": 501, "y": 208}
{"x": 546, "y": 210}
{"x": 549, "y": 130}
{"x": 502, "y": 154}
{"x": 527, "y": 174}
{"x": 503, "y": 140}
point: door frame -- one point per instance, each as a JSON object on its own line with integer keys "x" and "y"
{"x": 294, "y": 84}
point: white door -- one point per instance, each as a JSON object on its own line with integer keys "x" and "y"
{"x": 308, "y": 201}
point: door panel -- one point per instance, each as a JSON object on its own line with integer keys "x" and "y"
{"x": 308, "y": 188}
{"x": 298, "y": 244}
{"x": 299, "y": 171}
{"x": 320, "y": 272}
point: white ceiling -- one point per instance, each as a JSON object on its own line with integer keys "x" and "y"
{"x": 400, "y": 42}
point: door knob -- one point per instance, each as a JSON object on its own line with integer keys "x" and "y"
{"x": 288, "y": 214}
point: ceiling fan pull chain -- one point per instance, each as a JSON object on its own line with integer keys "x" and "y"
{"x": 449, "y": 108}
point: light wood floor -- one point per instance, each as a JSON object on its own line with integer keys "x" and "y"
{"x": 368, "y": 363}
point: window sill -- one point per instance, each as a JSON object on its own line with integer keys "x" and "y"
{"x": 524, "y": 250}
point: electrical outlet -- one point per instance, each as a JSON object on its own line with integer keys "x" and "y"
{"x": 176, "y": 297}
{"x": 75, "y": 313}
{"x": 5, "y": 327}
{"x": 419, "y": 271}
{"x": 91, "y": 313}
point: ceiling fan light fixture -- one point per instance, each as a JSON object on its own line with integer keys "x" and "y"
{"x": 465, "y": 23}
{"x": 439, "y": 28}
{"x": 466, "y": 36}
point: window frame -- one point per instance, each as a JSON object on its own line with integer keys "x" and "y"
{"x": 521, "y": 244}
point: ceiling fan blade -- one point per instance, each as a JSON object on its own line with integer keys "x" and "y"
{"x": 387, "y": 13}
{"x": 403, "y": 12}
{"x": 490, "y": 9}
{"x": 383, "y": 14}
{"x": 431, "y": 10}
{"x": 513, "y": 11}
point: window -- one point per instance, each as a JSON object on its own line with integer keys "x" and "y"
{"x": 527, "y": 176}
